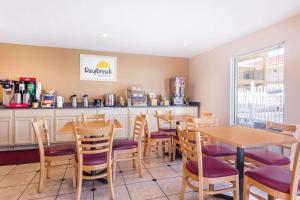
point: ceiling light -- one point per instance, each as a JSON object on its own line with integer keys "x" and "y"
{"x": 104, "y": 35}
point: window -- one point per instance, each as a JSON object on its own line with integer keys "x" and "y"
{"x": 258, "y": 87}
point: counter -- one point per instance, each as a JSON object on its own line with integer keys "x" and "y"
{"x": 17, "y": 133}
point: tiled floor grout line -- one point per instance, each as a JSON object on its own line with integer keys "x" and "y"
{"x": 125, "y": 183}
{"x": 157, "y": 185}
{"x": 61, "y": 182}
{"x": 160, "y": 163}
{"x": 27, "y": 186}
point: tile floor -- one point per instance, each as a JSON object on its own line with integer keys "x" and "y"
{"x": 161, "y": 181}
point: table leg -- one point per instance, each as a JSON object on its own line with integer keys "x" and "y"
{"x": 240, "y": 167}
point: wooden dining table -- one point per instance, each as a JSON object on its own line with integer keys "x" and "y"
{"x": 68, "y": 127}
{"x": 243, "y": 138}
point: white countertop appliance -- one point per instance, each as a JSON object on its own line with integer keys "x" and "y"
{"x": 177, "y": 86}
{"x": 137, "y": 95}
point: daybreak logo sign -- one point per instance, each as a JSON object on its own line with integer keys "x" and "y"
{"x": 98, "y": 68}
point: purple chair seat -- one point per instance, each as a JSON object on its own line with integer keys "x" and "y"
{"x": 123, "y": 144}
{"x": 60, "y": 150}
{"x": 267, "y": 157}
{"x": 168, "y": 130}
{"x": 94, "y": 159}
{"x": 159, "y": 135}
{"x": 275, "y": 177}
{"x": 176, "y": 137}
{"x": 217, "y": 150}
{"x": 212, "y": 168}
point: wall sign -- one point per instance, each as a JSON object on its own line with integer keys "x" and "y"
{"x": 98, "y": 68}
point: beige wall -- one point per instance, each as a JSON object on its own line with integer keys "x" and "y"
{"x": 210, "y": 71}
{"x": 58, "y": 68}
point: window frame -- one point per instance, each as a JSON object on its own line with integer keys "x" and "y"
{"x": 234, "y": 78}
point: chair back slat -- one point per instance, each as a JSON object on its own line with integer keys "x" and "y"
{"x": 161, "y": 124}
{"x": 94, "y": 151}
{"x": 192, "y": 123}
{"x": 190, "y": 145}
{"x": 207, "y": 114}
{"x": 146, "y": 126}
{"x": 138, "y": 128}
{"x": 289, "y": 129}
{"x": 41, "y": 131}
{"x": 93, "y": 117}
{"x": 94, "y": 141}
{"x": 280, "y": 127}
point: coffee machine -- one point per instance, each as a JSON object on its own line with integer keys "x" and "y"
{"x": 177, "y": 86}
{"x": 7, "y": 91}
{"x": 24, "y": 92}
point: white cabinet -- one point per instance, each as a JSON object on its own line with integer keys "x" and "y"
{"x": 23, "y": 131}
{"x": 6, "y": 132}
{"x": 120, "y": 114}
{"x": 6, "y": 128}
{"x": 16, "y": 125}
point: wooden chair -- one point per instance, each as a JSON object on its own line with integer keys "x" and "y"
{"x": 94, "y": 156}
{"x": 130, "y": 149}
{"x": 51, "y": 153}
{"x": 276, "y": 181}
{"x": 158, "y": 140}
{"x": 263, "y": 157}
{"x": 210, "y": 148}
{"x": 167, "y": 127}
{"x": 162, "y": 125}
{"x": 92, "y": 117}
{"x": 205, "y": 170}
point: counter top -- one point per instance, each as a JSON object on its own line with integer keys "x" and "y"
{"x": 68, "y": 106}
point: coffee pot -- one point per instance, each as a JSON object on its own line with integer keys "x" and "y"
{"x": 73, "y": 100}
{"x": 59, "y": 101}
{"x": 85, "y": 101}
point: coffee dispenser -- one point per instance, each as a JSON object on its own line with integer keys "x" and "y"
{"x": 7, "y": 91}
{"x": 177, "y": 86}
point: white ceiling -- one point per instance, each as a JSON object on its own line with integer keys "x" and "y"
{"x": 159, "y": 27}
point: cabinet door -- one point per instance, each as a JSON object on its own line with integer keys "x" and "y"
{"x": 24, "y": 131}
{"x": 120, "y": 132}
{"x": 59, "y": 137}
{"x": 6, "y": 132}
{"x": 152, "y": 123}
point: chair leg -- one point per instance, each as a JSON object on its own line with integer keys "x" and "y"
{"x": 110, "y": 183}
{"x": 145, "y": 148}
{"x": 246, "y": 189}
{"x": 183, "y": 185}
{"x": 79, "y": 183}
{"x": 42, "y": 177}
{"x": 174, "y": 150}
{"x": 170, "y": 150}
{"x": 139, "y": 158}
{"x": 114, "y": 166}
{"x": 73, "y": 172}
{"x": 236, "y": 194}
{"x": 148, "y": 152}
{"x": 48, "y": 170}
{"x": 133, "y": 161}
{"x": 163, "y": 149}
